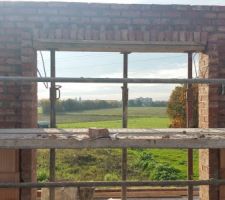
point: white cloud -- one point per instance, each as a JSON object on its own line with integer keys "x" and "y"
{"x": 113, "y": 91}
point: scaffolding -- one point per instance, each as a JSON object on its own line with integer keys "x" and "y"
{"x": 118, "y": 138}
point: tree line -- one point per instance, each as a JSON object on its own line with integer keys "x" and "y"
{"x": 72, "y": 105}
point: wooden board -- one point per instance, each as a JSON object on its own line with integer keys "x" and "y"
{"x": 118, "y": 138}
{"x": 117, "y": 46}
{"x": 144, "y": 193}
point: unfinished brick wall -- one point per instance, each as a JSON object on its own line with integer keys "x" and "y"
{"x": 23, "y": 23}
{"x": 212, "y": 113}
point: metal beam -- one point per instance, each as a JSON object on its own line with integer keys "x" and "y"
{"x": 189, "y": 119}
{"x": 52, "y": 123}
{"x": 23, "y": 80}
{"x": 124, "y": 122}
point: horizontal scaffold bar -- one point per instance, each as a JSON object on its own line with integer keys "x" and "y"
{"x": 22, "y": 79}
{"x": 179, "y": 183}
{"x": 112, "y": 138}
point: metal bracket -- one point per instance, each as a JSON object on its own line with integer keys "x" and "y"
{"x": 57, "y": 91}
{"x": 221, "y": 89}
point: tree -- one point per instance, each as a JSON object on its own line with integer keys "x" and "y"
{"x": 177, "y": 107}
{"x": 165, "y": 172}
{"x": 45, "y": 104}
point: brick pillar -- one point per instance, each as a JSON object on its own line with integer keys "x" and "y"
{"x": 221, "y": 114}
{"x": 9, "y": 107}
{"x": 17, "y": 109}
{"x": 212, "y": 115}
{"x": 28, "y": 99}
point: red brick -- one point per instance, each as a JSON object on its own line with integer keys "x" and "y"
{"x": 197, "y": 36}
{"x": 175, "y": 36}
{"x": 58, "y": 33}
{"x": 146, "y": 36}
{"x": 91, "y": 13}
{"x": 182, "y": 7}
{"x": 109, "y": 35}
{"x": 221, "y": 15}
{"x": 201, "y": 8}
{"x": 150, "y": 14}
{"x": 183, "y": 35}
{"x": 47, "y": 11}
{"x": 221, "y": 28}
{"x": 95, "y": 35}
{"x": 140, "y": 21}
{"x": 153, "y": 35}
{"x": 172, "y": 14}
{"x": 190, "y": 36}
{"x": 124, "y": 35}
{"x": 204, "y": 37}
{"x": 115, "y": 13}
{"x": 24, "y": 22}
{"x": 14, "y": 18}
{"x": 210, "y": 15}
{"x": 130, "y": 13}
{"x": 80, "y": 34}
{"x": 218, "y": 8}
{"x": 100, "y": 20}
{"x": 121, "y": 21}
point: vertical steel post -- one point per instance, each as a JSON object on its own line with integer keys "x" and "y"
{"x": 124, "y": 123}
{"x": 52, "y": 124}
{"x": 189, "y": 118}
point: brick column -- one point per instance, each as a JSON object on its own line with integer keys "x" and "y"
{"x": 17, "y": 109}
{"x": 9, "y": 108}
{"x": 28, "y": 99}
{"x": 212, "y": 115}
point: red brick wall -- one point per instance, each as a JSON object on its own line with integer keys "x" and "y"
{"x": 211, "y": 114}
{"x": 21, "y": 23}
{"x": 17, "y": 107}
{"x": 83, "y": 21}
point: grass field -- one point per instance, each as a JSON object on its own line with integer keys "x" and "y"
{"x": 106, "y": 115}
{"x": 154, "y": 122}
{"x": 105, "y": 164}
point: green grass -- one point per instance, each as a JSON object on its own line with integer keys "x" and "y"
{"x": 132, "y": 111}
{"x": 153, "y": 122}
{"x": 106, "y": 114}
{"x": 176, "y": 158}
{"x": 105, "y": 164}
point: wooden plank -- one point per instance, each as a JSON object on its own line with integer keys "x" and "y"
{"x": 66, "y": 184}
{"x": 117, "y": 46}
{"x": 144, "y": 193}
{"x": 118, "y": 138}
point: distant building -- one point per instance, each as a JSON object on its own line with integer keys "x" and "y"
{"x": 141, "y": 101}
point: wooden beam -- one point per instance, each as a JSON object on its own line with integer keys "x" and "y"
{"x": 144, "y": 193}
{"x": 118, "y": 138}
{"x": 117, "y": 46}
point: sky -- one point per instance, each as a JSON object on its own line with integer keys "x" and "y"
{"x": 110, "y": 65}
{"x": 151, "y": 65}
